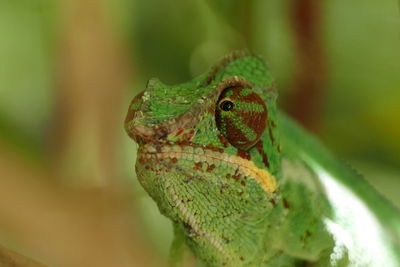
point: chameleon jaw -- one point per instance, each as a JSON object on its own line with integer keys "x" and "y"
{"x": 244, "y": 166}
{"x": 167, "y": 155}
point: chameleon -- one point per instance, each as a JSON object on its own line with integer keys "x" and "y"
{"x": 245, "y": 185}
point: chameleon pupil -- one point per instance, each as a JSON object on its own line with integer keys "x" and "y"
{"x": 227, "y": 105}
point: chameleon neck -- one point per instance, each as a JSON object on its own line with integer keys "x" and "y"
{"x": 238, "y": 243}
{"x": 267, "y": 240}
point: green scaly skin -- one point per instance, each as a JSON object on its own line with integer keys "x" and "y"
{"x": 241, "y": 194}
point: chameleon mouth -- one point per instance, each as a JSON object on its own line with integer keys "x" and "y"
{"x": 198, "y": 154}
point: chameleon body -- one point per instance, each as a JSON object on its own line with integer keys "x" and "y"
{"x": 246, "y": 186}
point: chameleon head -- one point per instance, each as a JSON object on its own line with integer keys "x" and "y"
{"x": 208, "y": 154}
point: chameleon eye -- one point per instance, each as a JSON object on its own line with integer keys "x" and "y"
{"x": 241, "y": 116}
{"x": 227, "y": 105}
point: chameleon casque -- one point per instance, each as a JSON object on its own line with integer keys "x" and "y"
{"x": 246, "y": 186}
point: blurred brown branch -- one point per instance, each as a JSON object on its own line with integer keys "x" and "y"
{"x": 93, "y": 78}
{"x": 9, "y": 258}
{"x": 78, "y": 212}
{"x": 308, "y": 83}
{"x": 62, "y": 226}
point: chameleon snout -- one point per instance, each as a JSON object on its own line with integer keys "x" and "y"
{"x": 140, "y": 125}
{"x": 135, "y": 118}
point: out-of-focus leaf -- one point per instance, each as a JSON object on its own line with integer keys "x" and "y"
{"x": 26, "y": 64}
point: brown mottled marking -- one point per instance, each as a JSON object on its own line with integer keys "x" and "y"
{"x": 179, "y": 132}
{"x": 264, "y": 156}
{"x": 223, "y": 141}
{"x": 215, "y": 149}
{"x": 271, "y": 136}
{"x": 188, "y": 135}
{"x": 182, "y": 143}
{"x": 210, "y": 168}
{"x": 286, "y": 203}
{"x": 174, "y": 160}
{"x": 273, "y": 201}
{"x": 211, "y": 109}
{"x": 244, "y": 154}
{"x": 236, "y": 176}
{"x": 241, "y": 258}
{"x": 198, "y": 166}
{"x": 162, "y": 132}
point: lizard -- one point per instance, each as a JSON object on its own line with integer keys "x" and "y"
{"x": 245, "y": 185}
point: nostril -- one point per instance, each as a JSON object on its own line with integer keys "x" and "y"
{"x": 135, "y": 106}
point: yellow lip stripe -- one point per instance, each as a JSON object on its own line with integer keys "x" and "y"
{"x": 244, "y": 166}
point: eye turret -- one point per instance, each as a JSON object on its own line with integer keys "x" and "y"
{"x": 241, "y": 116}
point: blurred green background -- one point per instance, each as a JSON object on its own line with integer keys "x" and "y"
{"x": 69, "y": 68}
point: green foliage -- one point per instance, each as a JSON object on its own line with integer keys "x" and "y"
{"x": 27, "y": 62}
